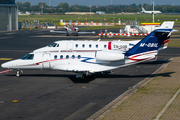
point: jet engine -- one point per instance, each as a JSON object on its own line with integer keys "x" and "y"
{"x": 76, "y": 29}
{"x": 109, "y": 56}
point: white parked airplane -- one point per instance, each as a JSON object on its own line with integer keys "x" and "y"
{"x": 73, "y": 30}
{"x": 150, "y": 12}
{"x": 86, "y": 63}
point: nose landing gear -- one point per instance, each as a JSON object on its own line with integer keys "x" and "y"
{"x": 18, "y": 73}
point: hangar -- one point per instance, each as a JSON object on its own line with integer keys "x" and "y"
{"x": 8, "y": 15}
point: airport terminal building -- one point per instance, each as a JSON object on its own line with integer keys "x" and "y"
{"x": 8, "y": 15}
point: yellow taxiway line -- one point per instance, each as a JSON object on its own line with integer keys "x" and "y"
{"x": 5, "y": 58}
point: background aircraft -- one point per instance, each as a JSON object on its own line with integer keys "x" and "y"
{"x": 87, "y": 63}
{"x": 150, "y": 12}
{"x": 73, "y": 30}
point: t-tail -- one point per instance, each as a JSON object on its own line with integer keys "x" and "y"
{"x": 150, "y": 45}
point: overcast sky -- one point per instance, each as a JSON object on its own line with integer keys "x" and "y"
{"x": 102, "y": 2}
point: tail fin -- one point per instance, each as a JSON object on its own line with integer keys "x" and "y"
{"x": 143, "y": 9}
{"x": 153, "y": 41}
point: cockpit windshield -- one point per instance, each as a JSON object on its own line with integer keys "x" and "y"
{"x": 53, "y": 45}
{"x": 28, "y": 57}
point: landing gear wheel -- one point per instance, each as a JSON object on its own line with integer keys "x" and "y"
{"x": 84, "y": 77}
{"x": 17, "y": 74}
{"x": 81, "y": 76}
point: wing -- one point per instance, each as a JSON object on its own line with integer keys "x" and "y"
{"x": 59, "y": 31}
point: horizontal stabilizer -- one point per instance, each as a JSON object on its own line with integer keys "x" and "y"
{"x": 167, "y": 25}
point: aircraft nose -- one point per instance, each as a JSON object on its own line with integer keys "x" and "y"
{"x": 6, "y": 65}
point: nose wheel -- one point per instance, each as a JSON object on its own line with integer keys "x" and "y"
{"x": 18, "y": 73}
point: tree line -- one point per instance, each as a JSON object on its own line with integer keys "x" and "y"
{"x": 65, "y": 7}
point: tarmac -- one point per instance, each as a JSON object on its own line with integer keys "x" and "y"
{"x": 154, "y": 98}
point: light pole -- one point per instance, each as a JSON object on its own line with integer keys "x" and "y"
{"x": 153, "y": 11}
{"x": 90, "y": 8}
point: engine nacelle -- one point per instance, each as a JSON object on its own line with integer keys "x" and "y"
{"x": 76, "y": 29}
{"x": 109, "y": 56}
{"x": 115, "y": 45}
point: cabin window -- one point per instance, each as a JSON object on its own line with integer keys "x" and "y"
{"x": 61, "y": 57}
{"x": 57, "y": 45}
{"x": 105, "y": 46}
{"x": 55, "y": 57}
{"x": 28, "y": 57}
{"x": 79, "y": 56}
{"x": 96, "y": 46}
{"x": 67, "y": 56}
{"x": 90, "y": 46}
{"x": 76, "y": 45}
{"x": 73, "y": 56}
{"x": 83, "y": 45}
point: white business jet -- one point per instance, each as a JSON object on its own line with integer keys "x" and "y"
{"x": 73, "y": 30}
{"x": 87, "y": 63}
{"x": 150, "y": 12}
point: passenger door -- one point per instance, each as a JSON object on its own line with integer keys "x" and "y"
{"x": 70, "y": 47}
{"x": 46, "y": 60}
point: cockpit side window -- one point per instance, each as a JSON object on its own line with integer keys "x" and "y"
{"x": 28, "y": 57}
{"x": 53, "y": 45}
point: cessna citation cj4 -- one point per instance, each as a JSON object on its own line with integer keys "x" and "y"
{"x": 73, "y": 30}
{"x": 87, "y": 63}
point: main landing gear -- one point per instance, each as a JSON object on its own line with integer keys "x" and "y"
{"x": 82, "y": 75}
